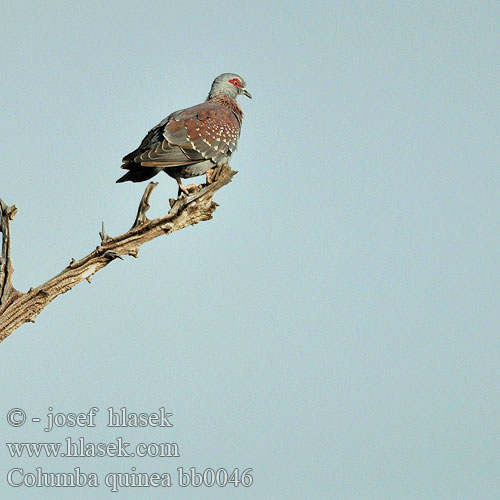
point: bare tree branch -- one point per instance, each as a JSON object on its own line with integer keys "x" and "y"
{"x": 7, "y": 291}
{"x": 17, "y": 308}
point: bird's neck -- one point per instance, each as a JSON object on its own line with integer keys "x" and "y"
{"x": 227, "y": 102}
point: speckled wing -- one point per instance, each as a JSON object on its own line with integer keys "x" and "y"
{"x": 206, "y": 132}
{"x": 211, "y": 130}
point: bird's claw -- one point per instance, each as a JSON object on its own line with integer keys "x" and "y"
{"x": 187, "y": 190}
{"x": 210, "y": 173}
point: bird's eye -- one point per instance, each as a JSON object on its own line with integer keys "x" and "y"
{"x": 235, "y": 82}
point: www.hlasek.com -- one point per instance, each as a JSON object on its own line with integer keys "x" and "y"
{"x": 82, "y": 448}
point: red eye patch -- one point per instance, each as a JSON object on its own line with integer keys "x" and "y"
{"x": 235, "y": 82}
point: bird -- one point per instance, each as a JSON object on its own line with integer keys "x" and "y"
{"x": 192, "y": 141}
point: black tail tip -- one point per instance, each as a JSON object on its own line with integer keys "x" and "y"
{"x": 129, "y": 176}
{"x": 139, "y": 174}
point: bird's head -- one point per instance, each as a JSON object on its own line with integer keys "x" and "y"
{"x": 230, "y": 85}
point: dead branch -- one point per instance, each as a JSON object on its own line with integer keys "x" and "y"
{"x": 17, "y": 308}
{"x": 7, "y": 291}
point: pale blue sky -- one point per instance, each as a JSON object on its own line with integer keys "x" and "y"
{"x": 336, "y": 325}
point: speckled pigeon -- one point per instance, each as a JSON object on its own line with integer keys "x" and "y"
{"x": 192, "y": 141}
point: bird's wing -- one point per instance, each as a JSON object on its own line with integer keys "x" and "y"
{"x": 154, "y": 150}
{"x": 206, "y": 131}
{"x": 209, "y": 129}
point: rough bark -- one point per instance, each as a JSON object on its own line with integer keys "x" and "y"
{"x": 17, "y": 308}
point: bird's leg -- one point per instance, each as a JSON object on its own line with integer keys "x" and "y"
{"x": 184, "y": 189}
{"x": 210, "y": 175}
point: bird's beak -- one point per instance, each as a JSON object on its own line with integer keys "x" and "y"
{"x": 245, "y": 92}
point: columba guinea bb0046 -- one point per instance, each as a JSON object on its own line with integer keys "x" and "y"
{"x": 192, "y": 141}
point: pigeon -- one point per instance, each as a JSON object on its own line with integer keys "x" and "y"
{"x": 192, "y": 141}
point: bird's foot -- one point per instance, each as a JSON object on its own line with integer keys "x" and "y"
{"x": 187, "y": 190}
{"x": 210, "y": 175}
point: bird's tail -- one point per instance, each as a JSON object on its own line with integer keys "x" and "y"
{"x": 138, "y": 173}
